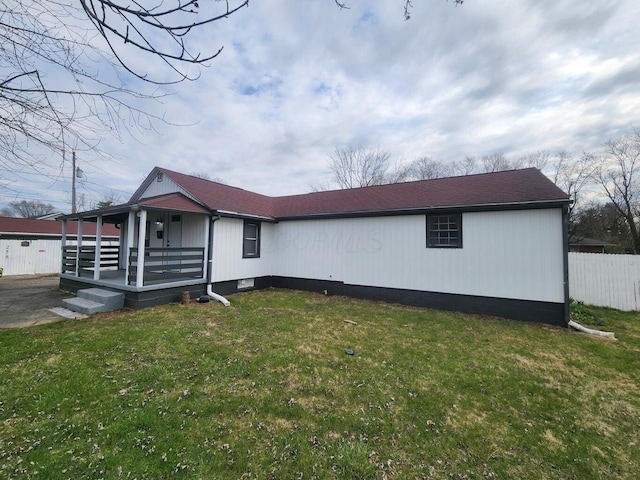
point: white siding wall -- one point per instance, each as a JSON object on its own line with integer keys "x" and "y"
{"x": 228, "y": 263}
{"x": 511, "y": 254}
{"x": 40, "y": 257}
{"x": 194, "y": 230}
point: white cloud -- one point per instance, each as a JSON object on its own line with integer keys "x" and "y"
{"x": 297, "y": 79}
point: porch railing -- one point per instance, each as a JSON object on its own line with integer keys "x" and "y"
{"x": 163, "y": 265}
{"x": 69, "y": 259}
{"x": 86, "y": 257}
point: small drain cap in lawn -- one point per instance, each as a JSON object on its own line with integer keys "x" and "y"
{"x": 348, "y": 351}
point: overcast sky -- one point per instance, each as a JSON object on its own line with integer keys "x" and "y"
{"x": 298, "y": 79}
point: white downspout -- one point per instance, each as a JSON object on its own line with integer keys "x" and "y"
{"x": 217, "y": 297}
{"x": 210, "y": 291}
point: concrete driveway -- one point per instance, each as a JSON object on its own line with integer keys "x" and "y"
{"x": 25, "y": 300}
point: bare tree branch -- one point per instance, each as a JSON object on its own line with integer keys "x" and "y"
{"x": 496, "y": 162}
{"x": 426, "y": 168}
{"x": 135, "y": 25}
{"x": 353, "y": 167}
{"x": 27, "y": 209}
{"x": 618, "y": 173}
{"x": 60, "y": 89}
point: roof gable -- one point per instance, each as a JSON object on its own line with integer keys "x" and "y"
{"x": 223, "y": 198}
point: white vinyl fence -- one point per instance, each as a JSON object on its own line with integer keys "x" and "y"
{"x": 605, "y": 280}
{"x": 41, "y": 256}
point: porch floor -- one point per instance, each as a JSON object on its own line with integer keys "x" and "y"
{"x": 117, "y": 280}
{"x": 113, "y": 277}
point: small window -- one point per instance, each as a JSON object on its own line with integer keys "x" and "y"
{"x": 444, "y": 231}
{"x": 251, "y": 239}
{"x": 160, "y": 177}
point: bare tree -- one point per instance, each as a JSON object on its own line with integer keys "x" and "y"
{"x": 28, "y": 209}
{"x": 467, "y": 166}
{"x": 539, "y": 160}
{"x": 496, "y": 162}
{"x": 398, "y": 173}
{"x": 427, "y": 168}
{"x": 206, "y": 176}
{"x": 62, "y": 64}
{"x": 108, "y": 199}
{"x": 321, "y": 186}
{"x": 603, "y": 221}
{"x": 572, "y": 175}
{"x": 353, "y": 167}
{"x": 618, "y": 174}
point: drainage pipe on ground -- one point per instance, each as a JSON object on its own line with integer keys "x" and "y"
{"x": 591, "y": 331}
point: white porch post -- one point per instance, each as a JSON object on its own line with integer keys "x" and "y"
{"x": 63, "y": 244}
{"x": 96, "y": 258}
{"x": 131, "y": 225}
{"x": 142, "y": 233}
{"x": 78, "y": 247}
{"x": 205, "y": 271}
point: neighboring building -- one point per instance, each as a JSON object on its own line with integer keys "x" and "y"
{"x": 492, "y": 244}
{"x": 51, "y": 216}
{"x": 587, "y": 245}
{"x": 32, "y": 246}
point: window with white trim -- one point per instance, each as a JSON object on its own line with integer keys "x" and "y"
{"x": 251, "y": 239}
{"x": 444, "y": 230}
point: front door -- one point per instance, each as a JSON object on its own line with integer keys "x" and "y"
{"x": 174, "y": 235}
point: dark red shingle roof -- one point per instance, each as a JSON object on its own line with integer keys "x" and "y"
{"x": 172, "y": 201}
{"x": 218, "y": 196}
{"x": 526, "y": 186}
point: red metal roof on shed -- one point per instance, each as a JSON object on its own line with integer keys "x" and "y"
{"x": 51, "y": 227}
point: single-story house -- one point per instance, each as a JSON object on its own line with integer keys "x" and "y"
{"x": 32, "y": 246}
{"x": 493, "y": 244}
{"x": 578, "y": 243}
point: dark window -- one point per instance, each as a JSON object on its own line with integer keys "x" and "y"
{"x": 251, "y": 239}
{"x": 444, "y": 231}
{"x": 160, "y": 177}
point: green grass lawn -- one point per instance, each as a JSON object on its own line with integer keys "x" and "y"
{"x": 264, "y": 389}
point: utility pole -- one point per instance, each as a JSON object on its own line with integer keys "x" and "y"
{"x": 77, "y": 172}
{"x": 73, "y": 182}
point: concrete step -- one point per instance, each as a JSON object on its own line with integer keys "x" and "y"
{"x": 112, "y": 300}
{"x": 66, "y": 313}
{"x": 83, "y": 305}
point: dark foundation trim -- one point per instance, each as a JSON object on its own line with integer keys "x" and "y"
{"x": 231, "y": 286}
{"x": 528, "y": 310}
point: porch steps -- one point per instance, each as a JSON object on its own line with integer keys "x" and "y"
{"x": 94, "y": 300}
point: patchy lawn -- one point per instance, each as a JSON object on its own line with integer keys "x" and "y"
{"x": 264, "y": 389}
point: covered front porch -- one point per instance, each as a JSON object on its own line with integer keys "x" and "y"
{"x": 163, "y": 246}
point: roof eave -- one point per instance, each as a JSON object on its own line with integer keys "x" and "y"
{"x": 249, "y": 216}
{"x": 537, "y": 204}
